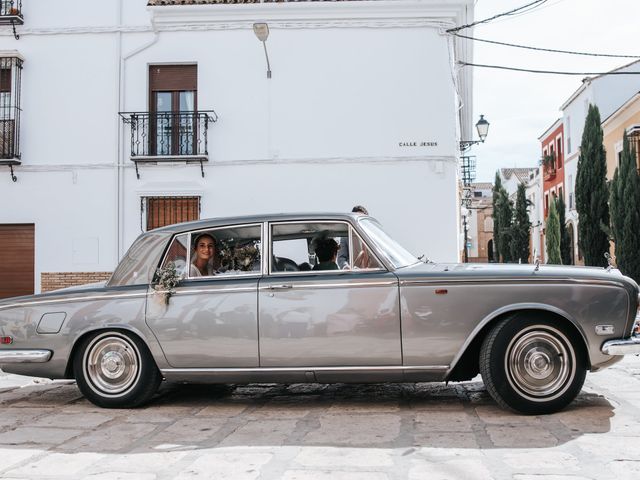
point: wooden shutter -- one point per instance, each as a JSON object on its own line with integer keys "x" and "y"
{"x": 162, "y": 211}
{"x": 5, "y": 80}
{"x": 17, "y": 260}
{"x": 173, "y": 77}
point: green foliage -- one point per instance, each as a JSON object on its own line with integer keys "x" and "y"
{"x": 497, "y": 186}
{"x": 521, "y": 227}
{"x": 503, "y": 230}
{"x": 553, "y": 235}
{"x": 591, "y": 192}
{"x": 625, "y": 213}
{"x": 565, "y": 238}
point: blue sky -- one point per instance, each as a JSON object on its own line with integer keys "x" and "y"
{"x": 521, "y": 106}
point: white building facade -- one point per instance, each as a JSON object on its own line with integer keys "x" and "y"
{"x": 608, "y": 93}
{"x": 135, "y": 115}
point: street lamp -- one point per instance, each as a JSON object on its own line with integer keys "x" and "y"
{"x": 483, "y": 129}
{"x": 262, "y": 32}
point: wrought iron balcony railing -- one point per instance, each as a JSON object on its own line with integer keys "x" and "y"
{"x": 11, "y": 8}
{"x": 549, "y": 173}
{"x": 11, "y": 14}
{"x": 169, "y": 135}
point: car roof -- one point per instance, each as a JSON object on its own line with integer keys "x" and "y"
{"x": 270, "y": 217}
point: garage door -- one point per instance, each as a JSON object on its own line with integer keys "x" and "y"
{"x": 17, "y": 260}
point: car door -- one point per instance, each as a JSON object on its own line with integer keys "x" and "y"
{"x": 340, "y": 317}
{"x": 211, "y": 320}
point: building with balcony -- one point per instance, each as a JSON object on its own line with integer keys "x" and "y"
{"x": 608, "y": 93}
{"x": 123, "y": 116}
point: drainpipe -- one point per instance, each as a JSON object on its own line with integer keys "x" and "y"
{"x": 120, "y": 177}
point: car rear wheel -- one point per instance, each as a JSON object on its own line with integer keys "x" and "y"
{"x": 115, "y": 370}
{"x": 532, "y": 365}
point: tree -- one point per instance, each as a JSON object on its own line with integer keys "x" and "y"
{"x": 565, "y": 238}
{"x": 505, "y": 219}
{"x": 521, "y": 229}
{"x": 591, "y": 193}
{"x": 625, "y": 212}
{"x": 497, "y": 186}
{"x": 552, "y": 239}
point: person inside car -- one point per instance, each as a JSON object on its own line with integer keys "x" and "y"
{"x": 326, "y": 251}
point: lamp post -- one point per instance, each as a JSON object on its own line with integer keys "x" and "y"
{"x": 483, "y": 129}
{"x": 262, "y": 32}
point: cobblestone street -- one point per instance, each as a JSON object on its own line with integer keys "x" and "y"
{"x": 303, "y": 432}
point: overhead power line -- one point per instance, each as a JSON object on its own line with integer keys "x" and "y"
{"x": 552, "y": 50}
{"x": 548, "y": 72}
{"x": 510, "y": 12}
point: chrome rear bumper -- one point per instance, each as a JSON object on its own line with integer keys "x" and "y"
{"x": 626, "y": 346}
{"x": 24, "y": 356}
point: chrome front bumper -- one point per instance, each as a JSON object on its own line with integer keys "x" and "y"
{"x": 626, "y": 346}
{"x": 24, "y": 356}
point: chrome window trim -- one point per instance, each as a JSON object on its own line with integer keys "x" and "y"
{"x": 350, "y": 228}
{"x": 211, "y": 229}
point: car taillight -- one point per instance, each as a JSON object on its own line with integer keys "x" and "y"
{"x": 6, "y": 340}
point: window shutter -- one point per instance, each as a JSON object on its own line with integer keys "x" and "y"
{"x": 173, "y": 77}
{"x": 162, "y": 211}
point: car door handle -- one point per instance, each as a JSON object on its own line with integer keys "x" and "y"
{"x": 280, "y": 287}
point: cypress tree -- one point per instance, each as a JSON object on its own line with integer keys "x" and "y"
{"x": 497, "y": 186}
{"x": 521, "y": 227}
{"x": 625, "y": 212}
{"x": 591, "y": 193}
{"x": 552, "y": 239}
{"x": 505, "y": 219}
{"x": 565, "y": 238}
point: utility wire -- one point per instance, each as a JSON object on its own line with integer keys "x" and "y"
{"x": 552, "y": 50}
{"x": 549, "y": 72}
{"x": 510, "y": 12}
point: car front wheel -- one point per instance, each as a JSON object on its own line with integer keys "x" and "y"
{"x": 532, "y": 365}
{"x": 115, "y": 370}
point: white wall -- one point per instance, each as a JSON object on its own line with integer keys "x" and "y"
{"x": 323, "y": 134}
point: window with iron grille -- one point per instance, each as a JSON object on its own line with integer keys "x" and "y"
{"x": 10, "y": 80}
{"x": 162, "y": 211}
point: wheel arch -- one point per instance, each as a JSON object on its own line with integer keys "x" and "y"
{"x": 465, "y": 364}
{"x": 69, "y": 372}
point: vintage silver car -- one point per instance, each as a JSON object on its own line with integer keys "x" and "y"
{"x": 320, "y": 298}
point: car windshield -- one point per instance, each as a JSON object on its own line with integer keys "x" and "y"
{"x": 396, "y": 254}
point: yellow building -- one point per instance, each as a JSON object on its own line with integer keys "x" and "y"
{"x": 626, "y": 118}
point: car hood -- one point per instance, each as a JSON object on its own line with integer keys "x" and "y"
{"x": 508, "y": 271}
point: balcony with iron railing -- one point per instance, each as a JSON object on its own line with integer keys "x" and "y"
{"x": 169, "y": 136}
{"x": 549, "y": 167}
{"x": 11, "y": 14}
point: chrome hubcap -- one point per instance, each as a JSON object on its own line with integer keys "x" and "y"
{"x": 540, "y": 363}
{"x": 112, "y": 364}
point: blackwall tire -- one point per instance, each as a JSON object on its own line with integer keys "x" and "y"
{"x": 532, "y": 364}
{"x": 114, "y": 369}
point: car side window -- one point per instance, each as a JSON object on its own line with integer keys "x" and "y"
{"x": 235, "y": 250}
{"x": 318, "y": 247}
{"x": 363, "y": 257}
{"x": 177, "y": 254}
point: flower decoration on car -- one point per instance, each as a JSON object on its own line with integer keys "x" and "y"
{"x": 166, "y": 280}
{"x": 238, "y": 257}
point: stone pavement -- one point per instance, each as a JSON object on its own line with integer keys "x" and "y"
{"x": 308, "y": 432}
